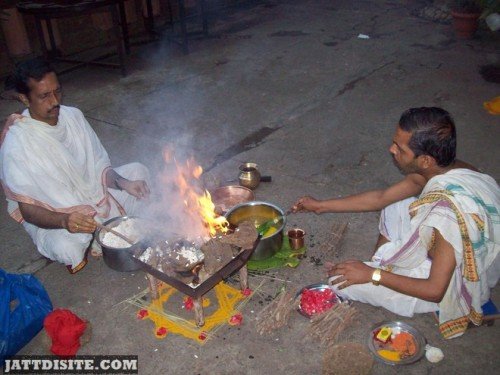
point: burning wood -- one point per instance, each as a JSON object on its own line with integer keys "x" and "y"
{"x": 190, "y": 264}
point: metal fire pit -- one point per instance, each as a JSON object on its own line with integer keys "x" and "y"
{"x": 232, "y": 266}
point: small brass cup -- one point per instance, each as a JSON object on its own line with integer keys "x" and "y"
{"x": 296, "y": 238}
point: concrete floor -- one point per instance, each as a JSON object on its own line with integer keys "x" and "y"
{"x": 290, "y": 86}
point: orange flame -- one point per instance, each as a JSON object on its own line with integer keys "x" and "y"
{"x": 197, "y": 201}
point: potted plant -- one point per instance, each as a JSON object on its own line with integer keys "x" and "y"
{"x": 466, "y": 14}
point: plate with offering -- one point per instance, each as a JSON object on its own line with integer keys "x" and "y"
{"x": 315, "y": 299}
{"x": 396, "y": 343}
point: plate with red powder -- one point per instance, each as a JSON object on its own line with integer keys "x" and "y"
{"x": 315, "y": 299}
{"x": 396, "y": 343}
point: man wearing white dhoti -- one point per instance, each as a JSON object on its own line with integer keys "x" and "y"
{"x": 439, "y": 230}
{"x": 56, "y": 174}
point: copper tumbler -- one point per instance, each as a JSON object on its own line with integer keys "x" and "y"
{"x": 296, "y": 238}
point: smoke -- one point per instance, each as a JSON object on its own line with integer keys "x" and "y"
{"x": 175, "y": 199}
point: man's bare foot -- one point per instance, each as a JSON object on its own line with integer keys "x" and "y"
{"x": 96, "y": 252}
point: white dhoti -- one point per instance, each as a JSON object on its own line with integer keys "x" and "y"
{"x": 394, "y": 225}
{"x": 70, "y": 248}
{"x": 463, "y": 206}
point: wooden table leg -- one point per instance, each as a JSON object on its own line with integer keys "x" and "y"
{"x": 41, "y": 37}
{"x": 198, "y": 311}
{"x": 184, "y": 33}
{"x": 123, "y": 24}
{"x": 153, "y": 287}
{"x": 243, "y": 272}
{"x": 119, "y": 38}
{"x": 204, "y": 17}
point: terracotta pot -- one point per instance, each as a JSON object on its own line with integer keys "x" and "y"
{"x": 465, "y": 24}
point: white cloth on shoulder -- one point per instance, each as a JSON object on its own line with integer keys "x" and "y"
{"x": 61, "y": 168}
{"x": 463, "y": 206}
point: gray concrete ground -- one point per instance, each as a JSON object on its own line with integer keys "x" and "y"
{"x": 316, "y": 107}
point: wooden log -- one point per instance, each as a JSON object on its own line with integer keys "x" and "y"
{"x": 198, "y": 311}
{"x": 153, "y": 286}
{"x": 243, "y": 277}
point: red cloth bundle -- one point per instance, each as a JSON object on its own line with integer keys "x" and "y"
{"x": 65, "y": 330}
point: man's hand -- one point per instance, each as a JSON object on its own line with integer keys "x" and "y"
{"x": 75, "y": 222}
{"x": 351, "y": 272}
{"x": 79, "y": 223}
{"x": 137, "y": 188}
{"x": 307, "y": 204}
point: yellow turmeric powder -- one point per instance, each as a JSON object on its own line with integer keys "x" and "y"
{"x": 389, "y": 355}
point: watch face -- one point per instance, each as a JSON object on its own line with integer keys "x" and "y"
{"x": 376, "y": 276}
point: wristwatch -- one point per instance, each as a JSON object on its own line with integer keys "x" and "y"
{"x": 376, "y": 276}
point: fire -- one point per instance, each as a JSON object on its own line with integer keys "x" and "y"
{"x": 197, "y": 206}
{"x": 214, "y": 222}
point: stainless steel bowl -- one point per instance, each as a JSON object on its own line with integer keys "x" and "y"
{"x": 260, "y": 212}
{"x": 119, "y": 259}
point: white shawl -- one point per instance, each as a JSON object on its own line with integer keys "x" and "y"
{"x": 61, "y": 167}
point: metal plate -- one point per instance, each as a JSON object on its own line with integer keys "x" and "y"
{"x": 375, "y": 345}
{"x": 318, "y": 287}
{"x": 226, "y": 197}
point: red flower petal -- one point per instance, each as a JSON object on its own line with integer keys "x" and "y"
{"x": 188, "y": 303}
{"x": 203, "y": 335}
{"x": 316, "y": 301}
{"x": 236, "y": 319}
{"x": 246, "y": 292}
{"x": 162, "y": 331}
{"x": 142, "y": 314}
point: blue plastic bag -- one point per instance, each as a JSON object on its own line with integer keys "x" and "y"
{"x": 24, "y": 304}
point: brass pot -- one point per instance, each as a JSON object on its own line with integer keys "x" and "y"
{"x": 249, "y": 176}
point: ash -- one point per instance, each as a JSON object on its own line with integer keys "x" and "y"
{"x": 181, "y": 254}
{"x": 192, "y": 264}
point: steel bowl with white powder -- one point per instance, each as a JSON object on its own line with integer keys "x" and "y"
{"x": 118, "y": 253}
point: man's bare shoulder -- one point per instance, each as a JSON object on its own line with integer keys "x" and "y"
{"x": 412, "y": 185}
{"x": 416, "y": 180}
{"x": 463, "y": 164}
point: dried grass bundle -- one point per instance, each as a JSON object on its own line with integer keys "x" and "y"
{"x": 334, "y": 241}
{"x": 276, "y": 314}
{"x": 328, "y": 325}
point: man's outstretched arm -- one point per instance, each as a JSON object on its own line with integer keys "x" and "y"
{"x": 373, "y": 200}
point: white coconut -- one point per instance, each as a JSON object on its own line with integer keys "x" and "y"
{"x": 433, "y": 354}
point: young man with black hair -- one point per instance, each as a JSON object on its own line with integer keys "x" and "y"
{"x": 437, "y": 252}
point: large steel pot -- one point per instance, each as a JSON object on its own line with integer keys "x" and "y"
{"x": 260, "y": 212}
{"x": 119, "y": 259}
